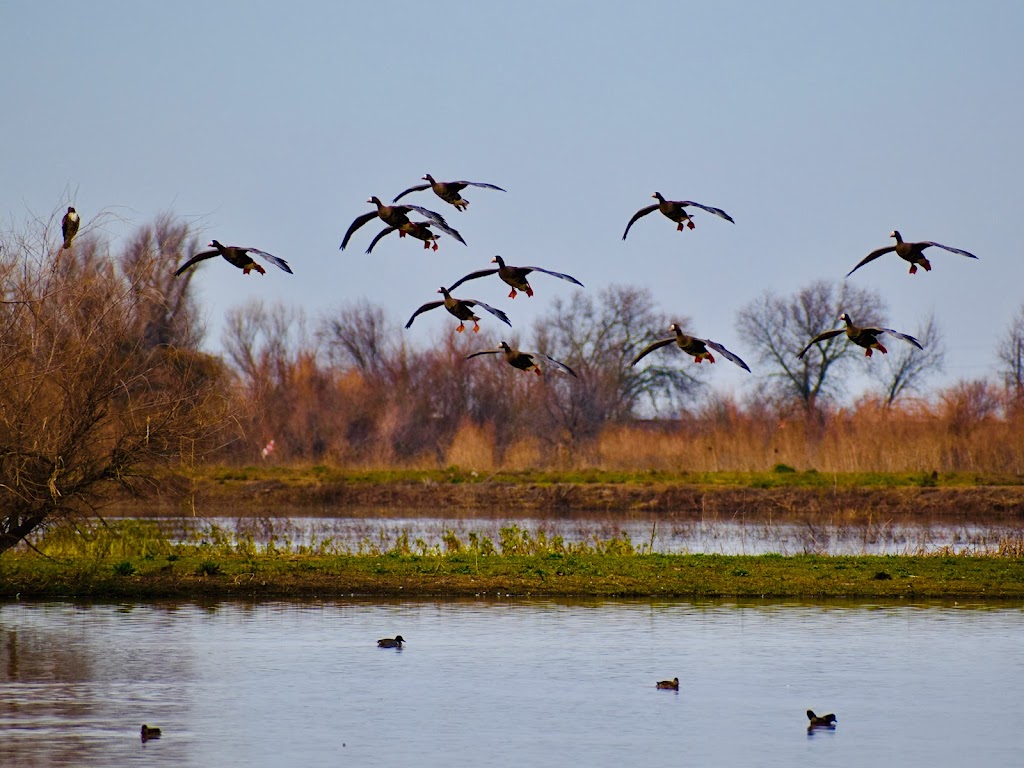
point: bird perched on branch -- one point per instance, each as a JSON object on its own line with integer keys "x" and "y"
{"x": 864, "y": 337}
{"x": 449, "y": 191}
{"x": 525, "y": 361}
{"x": 691, "y": 345}
{"x": 69, "y": 226}
{"x": 421, "y": 231}
{"x": 910, "y": 252}
{"x": 514, "y": 276}
{"x": 393, "y": 216}
{"x": 238, "y": 257}
{"x": 675, "y": 210}
{"x": 462, "y": 309}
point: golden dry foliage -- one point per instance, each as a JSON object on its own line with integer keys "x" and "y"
{"x": 87, "y": 399}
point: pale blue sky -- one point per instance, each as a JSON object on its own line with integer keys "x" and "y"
{"x": 819, "y": 126}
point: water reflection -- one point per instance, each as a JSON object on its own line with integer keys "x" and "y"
{"x": 507, "y": 683}
{"x": 662, "y": 533}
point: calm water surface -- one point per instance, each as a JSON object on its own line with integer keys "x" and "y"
{"x": 510, "y": 684}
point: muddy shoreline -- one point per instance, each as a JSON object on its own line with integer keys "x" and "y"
{"x": 340, "y": 499}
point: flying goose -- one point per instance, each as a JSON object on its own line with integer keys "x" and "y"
{"x": 514, "y": 276}
{"x": 863, "y": 337}
{"x": 238, "y": 257}
{"x": 691, "y": 345}
{"x": 69, "y": 226}
{"x": 911, "y": 252}
{"x": 525, "y": 361}
{"x": 421, "y": 231}
{"x": 675, "y": 210}
{"x": 447, "y": 190}
{"x": 462, "y": 309}
{"x": 392, "y": 215}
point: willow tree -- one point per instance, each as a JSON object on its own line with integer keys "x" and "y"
{"x": 90, "y": 399}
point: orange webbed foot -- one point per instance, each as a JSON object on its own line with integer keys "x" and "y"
{"x": 710, "y": 357}
{"x": 690, "y": 224}
{"x": 913, "y": 269}
{"x": 867, "y": 353}
{"x": 476, "y": 328}
{"x": 426, "y": 245}
{"x": 927, "y": 265}
{"x": 538, "y": 371}
{"x": 698, "y": 359}
{"x": 679, "y": 227}
{"x": 529, "y": 291}
{"x": 462, "y": 327}
{"x": 401, "y": 233}
{"x": 881, "y": 349}
{"x": 512, "y": 293}
{"x": 435, "y": 246}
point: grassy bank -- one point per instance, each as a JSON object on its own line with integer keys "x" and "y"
{"x": 328, "y": 491}
{"x": 133, "y": 561}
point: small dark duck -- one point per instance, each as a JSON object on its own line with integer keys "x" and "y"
{"x": 669, "y": 685}
{"x": 824, "y": 721}
{"x": 149, "y": 733}
{"x": 391, "y": 642}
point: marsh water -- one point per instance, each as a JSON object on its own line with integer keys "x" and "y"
{"x": 365, "y": 531}
{"x": 510, "y": 683}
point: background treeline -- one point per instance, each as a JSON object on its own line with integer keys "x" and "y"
{"x": 102, "y": 364}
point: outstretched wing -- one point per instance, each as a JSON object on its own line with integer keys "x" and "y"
{"x": 471, "y": 276}
{"x": 477, "y": 184}
{"x": 560, "y": 275}
{"x": 195, "y": 259}
{"x": 728, "y": 355}
{"x": 382, "y": 233}
{"x": 496, "y": 312}
{"x": 717, "y": 211}
{"x": 871, "y": 257}
{"x": 637, "y": 215}
{"x": 898, "y": 335}
{"x": 360, "y": 220}
{"x": 820, "y": 337}
{"x": 417, "y": 188}
{"x": 434, "y": 216}
{"x": 651, "y": 347}
{"x": 968, "y": 254}
{"x": 443, "y": 226}
{"x": 277, "y": 262}
{"x": 425, "y": 308}
{"x": 557, "y": 363}
{"x": 485, "y": 352}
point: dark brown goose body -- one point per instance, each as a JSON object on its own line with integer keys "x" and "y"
{"x": 513, "y": 276}
{"x": 392, "y": 215}
{"x": 237, "y": 257}
{"x": 460, "y": 308}
{"x": 525, "y": 361}
{"x": 691, "y": 345}
{"x": 420, "y": 230}
{"x": 913, "y": 253}
{"x": 669, "y": 685}
{"x": 449, "y": 191}
{"x": 676, "y": 211}
{"x": 866, "y": 337}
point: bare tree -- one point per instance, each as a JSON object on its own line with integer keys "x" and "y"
{"x": 599, "y": 338}
{"x": 1011, "y": 356}
{"x": 86, "y": 403}
{"x": 780, "y": 326}
{"x": 167, "y": 309}
{"x": 906, "y": 368}
{"x": 360, "y": 336}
